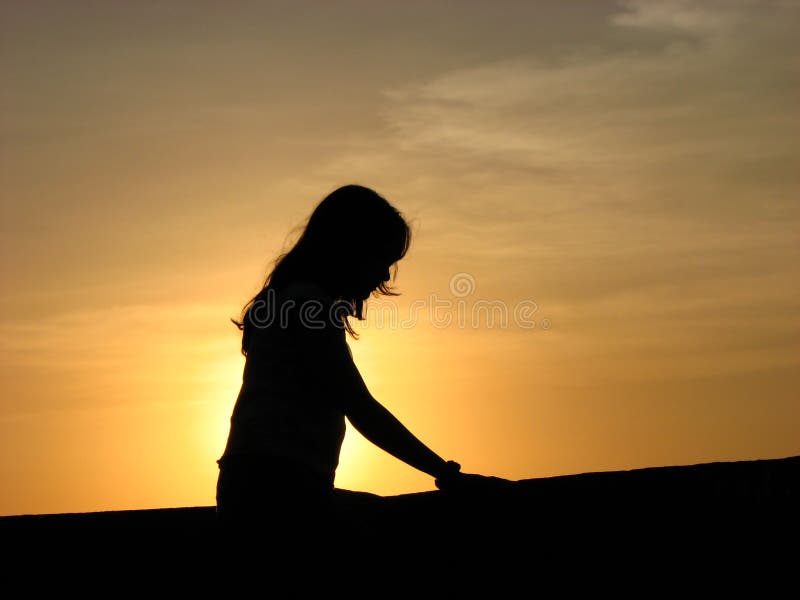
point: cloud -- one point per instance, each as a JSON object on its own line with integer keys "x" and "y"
{"x": 616, "y": 110}
{"x": 700, "y": 128}
{"x": 687, "y": 15}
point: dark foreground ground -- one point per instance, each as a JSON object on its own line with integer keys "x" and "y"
{"x": 723, "y": 526}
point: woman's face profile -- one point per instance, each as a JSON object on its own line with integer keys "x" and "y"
{"x": 365, "y": 277}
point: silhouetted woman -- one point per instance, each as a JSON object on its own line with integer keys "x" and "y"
{"x": 300, "y": 381}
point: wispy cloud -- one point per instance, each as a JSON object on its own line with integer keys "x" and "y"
{"x": 713, "y": 95}
{"x": 686, "y": 15}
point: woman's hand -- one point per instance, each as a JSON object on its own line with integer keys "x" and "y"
{"x": 458, "y": 482}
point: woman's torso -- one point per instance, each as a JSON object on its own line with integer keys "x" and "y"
{"x": 287, "y": 408}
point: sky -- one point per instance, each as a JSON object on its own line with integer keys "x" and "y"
{"x": 606, "y": 231}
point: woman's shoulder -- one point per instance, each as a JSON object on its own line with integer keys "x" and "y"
{"x": 300, "y": 306}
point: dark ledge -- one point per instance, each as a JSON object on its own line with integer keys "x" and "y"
{"x": 741, "y": 513}
{"x": 745, "y": 485}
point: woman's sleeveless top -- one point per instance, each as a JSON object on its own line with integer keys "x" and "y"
{"x": 288, "y": 406}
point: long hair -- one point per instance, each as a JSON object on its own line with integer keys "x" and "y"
{"x": 350, "y": 224}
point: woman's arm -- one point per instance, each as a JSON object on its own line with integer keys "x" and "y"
{"x": 368, "y": 416}
{"x": 380, "y": 427}
{"x": 383, "y": 429}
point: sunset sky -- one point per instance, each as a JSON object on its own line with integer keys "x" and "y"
{"x": 605, "y": 271}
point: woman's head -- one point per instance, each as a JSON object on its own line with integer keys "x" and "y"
{"x": 349, "y": 242}
{"x": 348, "y": 245}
